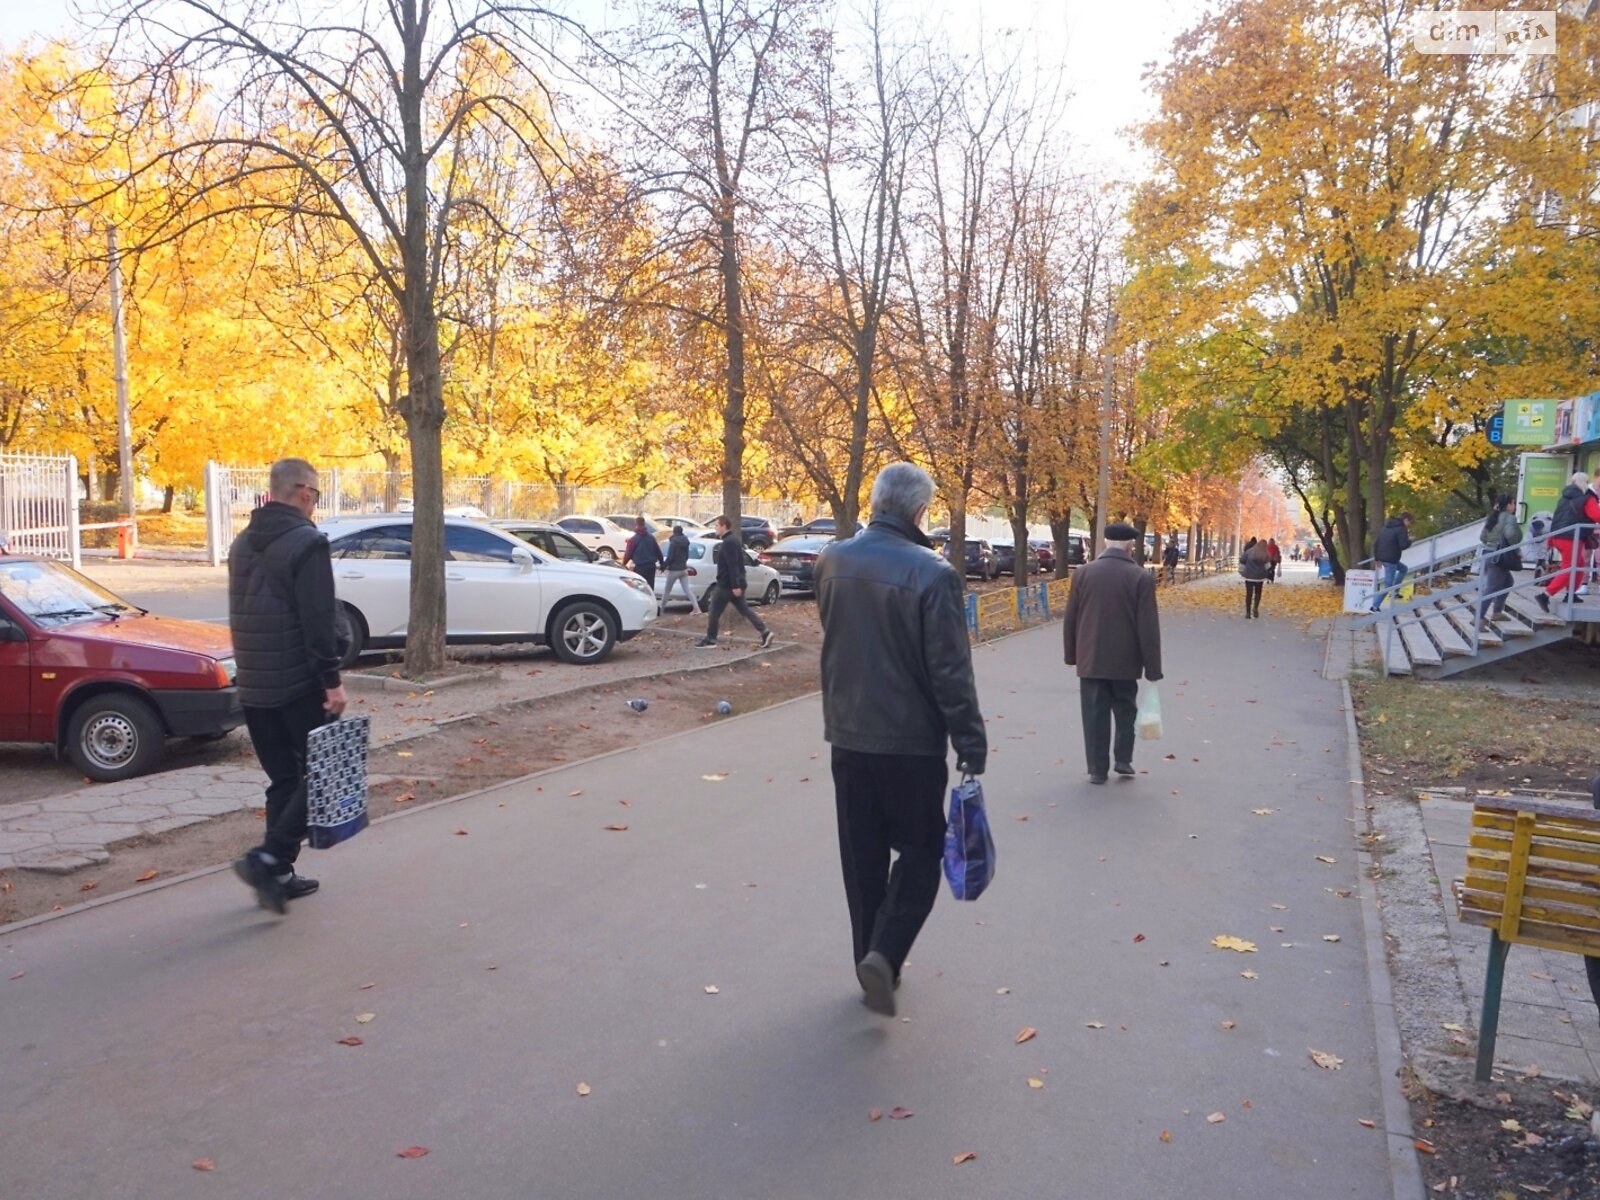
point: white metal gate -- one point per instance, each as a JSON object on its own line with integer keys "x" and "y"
{"x": 39, "y": 505}
{"x": 232, "y": 494}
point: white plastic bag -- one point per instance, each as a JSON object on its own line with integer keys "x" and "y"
{"x": 1149, "y": 723}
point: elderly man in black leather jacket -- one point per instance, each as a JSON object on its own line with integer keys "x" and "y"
{"x": 897, "y": 687}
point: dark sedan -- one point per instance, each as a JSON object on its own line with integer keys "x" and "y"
{"x": 795, "y": 561}
{"x": 980, "y": 558}
{"x": 821, "y": 527}
{"x": 1005, "y": 559}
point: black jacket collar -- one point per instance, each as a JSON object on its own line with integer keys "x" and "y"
{"x": 901, "y": 527}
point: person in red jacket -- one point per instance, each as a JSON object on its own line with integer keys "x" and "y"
{"x": 1274, "y": 559}
{"x": 1571, "y": 529}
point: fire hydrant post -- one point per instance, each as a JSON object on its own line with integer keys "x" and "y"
{"x": 127, "y": 540}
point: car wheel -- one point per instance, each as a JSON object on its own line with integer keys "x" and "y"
{"x": 607, "y": 553}
{"x": 770, "y": 596}
{"x": 358, "y": 638}
{"x": 114, "y": 737}
{"x": 583, "y": 632}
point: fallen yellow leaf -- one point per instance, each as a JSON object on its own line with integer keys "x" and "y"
{"x": 1263, "y": 812}
{"x": 1511, "y": 1125}
{"x": 1035, "y": 1083}
{"x": 1166, "y": 1135}
{"x": 1328, "y": 1062}
{"x": 1227, "y": 1024}
{"x": 1323, "y": 858}
{"x": 584, "y": 1089}
{"x": 366, "y": 1018}
{"x": 1027, "y": 1034}
{"x": 1094, "y": 1024}
{"x": 1216, "y": 1118}
{"x": 1226, "y": 941}
{"x": 965, "y": 1156}
{"x": 1330, "y": 937}
{"x": 712, "y": 989}
{"x": 1247, "y": 973}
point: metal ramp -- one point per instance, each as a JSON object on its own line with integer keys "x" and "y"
{"x": 1436, "y": 635}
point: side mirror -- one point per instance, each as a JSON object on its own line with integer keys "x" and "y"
{"x": 522, "y": 558}
{"x": 10, "y": 631}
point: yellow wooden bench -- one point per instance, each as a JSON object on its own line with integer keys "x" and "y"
{"x": 1533, "y": 877}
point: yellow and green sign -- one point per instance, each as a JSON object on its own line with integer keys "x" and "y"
{"x": 1529, "y": 423}
{"x": 1543, "y": 477}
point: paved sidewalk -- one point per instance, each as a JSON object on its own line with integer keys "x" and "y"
{"x": 1547, "y": 1017}
{"x": 693, "y": 973}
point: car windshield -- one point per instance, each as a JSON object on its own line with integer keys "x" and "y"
{"x": 52, "y": 594}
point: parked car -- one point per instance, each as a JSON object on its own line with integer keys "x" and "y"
{"x": 103, "y": 681}
{"x": 757, "y": 533}
{"x": 556, "y": 542}
{"x": 761, "y": 581}
{"x": 1047, "y": 553}
{"x": 691, "y": 527}
{"x": 1005, "y": 558}
{"x": 498, "y": 589}
{"x": 795, "y": 560}
{"x": 601, "y": 534}
{"x": 980, "y": 559}
{"x": 820, "y": 527}
{"x": 1077, "y": 551}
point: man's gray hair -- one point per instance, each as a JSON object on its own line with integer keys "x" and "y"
{"x": 901, "y": 490}
{"x": 288, "y": 474}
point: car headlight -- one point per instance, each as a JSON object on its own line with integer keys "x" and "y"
{"x": 638, "y": 585}
{"x": 229, "y": 668}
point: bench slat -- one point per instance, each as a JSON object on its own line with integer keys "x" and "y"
{"x": 1574, "y": 919}
{"x": 1544, "y": 871}
{"x": 1511, "y": 806}
{"x": 1494, "y": 884}
{"x": 1540, "y": 848}
{"x": 1546, "y": 826}
{"x": 1531, "y": 934}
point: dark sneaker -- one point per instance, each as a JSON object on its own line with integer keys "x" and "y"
{"x": 766, "y": 638}
{"x": 877, "y": 981}
{"x": 704, "y": 644}
{"x": 1093, "y": 778}
{"x": 1544, "y": 600}
{"x": 1123, "y": 769}
{"x": 294, "y": 886}
{"x": 269, "y": 892}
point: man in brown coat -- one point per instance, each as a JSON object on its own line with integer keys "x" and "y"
{"x": 1112, "y": 634}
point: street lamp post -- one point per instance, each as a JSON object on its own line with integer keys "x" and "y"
{"x": 1107, "y": 397}
{"x": 119, "y": 373}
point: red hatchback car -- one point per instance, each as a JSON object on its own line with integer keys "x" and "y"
{"x": 100, "y": 679}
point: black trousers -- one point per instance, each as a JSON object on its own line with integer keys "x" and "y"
{"x": 279, "y": 737}
{"x": 1101, "y": 700}
{"x": 889, "y": 802}
{"x": 1252, "y": 597}
{"x": 720, "y": 599}
{"x": 648, "y": 574}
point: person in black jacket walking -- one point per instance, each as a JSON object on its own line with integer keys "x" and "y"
{"x": 730, "y": 586}
{"x": 897, "y": 687}
{"x": 287, "y": 628}
{"x": 643, "y": 552}
{"x": 677, "y": 568}
{"x": 1387, "y": 548}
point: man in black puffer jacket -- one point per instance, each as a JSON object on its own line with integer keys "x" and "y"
{"x": 287, "y": 628}
{"x": 897, "y": 691}
{"x": 730, "y": 586}
{"x": 1387, "y": 547}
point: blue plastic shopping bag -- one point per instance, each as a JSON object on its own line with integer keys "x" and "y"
{"x": 968, "y": 844}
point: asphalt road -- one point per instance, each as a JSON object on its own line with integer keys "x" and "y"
{"x": 515, "y": 948}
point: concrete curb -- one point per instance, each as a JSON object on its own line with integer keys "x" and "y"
{"x": 1405, "y": 1169}
{"x": 365, "y": 682}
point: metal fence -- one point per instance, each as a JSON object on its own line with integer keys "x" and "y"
{"x": 39, "y": 505}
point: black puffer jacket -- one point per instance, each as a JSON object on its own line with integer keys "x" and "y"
{"x": 678, "y": 551}
{"x": 730, "y": 562}
{"x": 896, "y": 663}
{"x": 287, "y": 627}
{"x": 1391, "y": 541}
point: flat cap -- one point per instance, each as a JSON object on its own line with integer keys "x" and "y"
{"x": 1121, "y": 533}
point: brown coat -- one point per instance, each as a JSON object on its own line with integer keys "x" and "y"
{"x": 1112, "y": 629}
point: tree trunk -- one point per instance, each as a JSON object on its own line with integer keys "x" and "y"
{"x": 733, "y": 409}
{"x": 167, "y": 498}
{"x": 957, "y": 545}
{"x": 855, "y": 468}
{"x": 424, "y": 417}
{"x": 1061, "y": 538}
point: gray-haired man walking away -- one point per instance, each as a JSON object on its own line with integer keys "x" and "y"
{"x": 897, "y": 688}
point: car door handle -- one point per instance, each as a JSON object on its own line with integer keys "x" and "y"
{"x": 351, "y": 575}
{"x": 454, "y": 578}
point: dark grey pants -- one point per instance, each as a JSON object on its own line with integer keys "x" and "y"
{"x": 1103, "y": 699}
{"x": 279, "y": 737}
{"x": 889, "y": 802}
{"x": 720, "y": 599}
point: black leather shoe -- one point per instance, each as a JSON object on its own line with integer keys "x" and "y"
{"x": 1123, "y": 769}
{"x": 269, "y": 892}
{"x": 1093, "y": 778}
{"x": 877, "y": 981}
{"x": 298, "y": 885}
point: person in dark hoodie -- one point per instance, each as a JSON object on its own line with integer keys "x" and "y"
{"x": 289, "y": 635}
{"x": 677, "y": 568}
{"x": 730, "y": 587}
{"x": 643, "y": 552}
{"x": 1387, "y": 547}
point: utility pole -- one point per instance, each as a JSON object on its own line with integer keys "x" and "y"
{"x": 1107, "y": 393}
{"x": 119, "y": 373}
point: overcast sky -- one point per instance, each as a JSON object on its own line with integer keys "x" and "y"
{"x": 1104, "y": 44}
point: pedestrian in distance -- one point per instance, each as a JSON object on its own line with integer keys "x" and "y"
{"x": 1392, "y": 541}
{"x": 1500, "y": 537}
{"x": 1255, "y": 565}
{"x": 289, "y": 636}
{"x": 677, "y": 568}
{"x": 1274, "y": 559}
{"x": 1577, "y": 512}
{"x": 1112, "y": 635}
{"x": 730, "y": 586}
{"x": 642, "y": 552}
{"x": 897, "y": 688}
{"x": 1170, "y": 557}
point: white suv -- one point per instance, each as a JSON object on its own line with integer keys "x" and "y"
{"x": 497, "y": 589}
